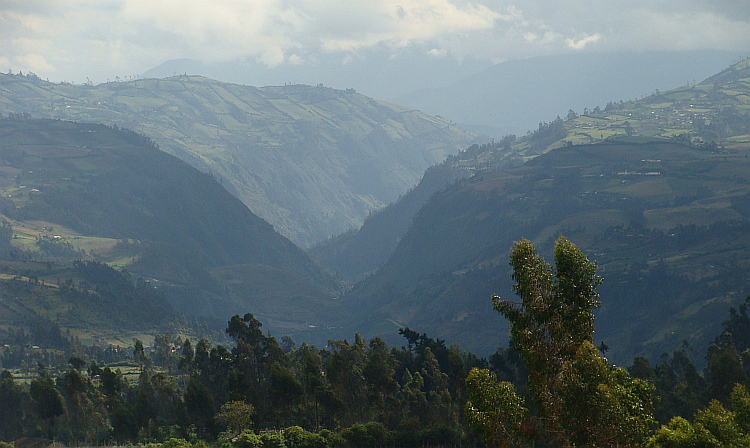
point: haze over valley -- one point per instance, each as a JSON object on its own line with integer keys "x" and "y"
{"x": 313, "y": 224}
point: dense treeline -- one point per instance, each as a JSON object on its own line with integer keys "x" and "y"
{"x": 360, "y": 393}
{"x": 552, "y": 388}
{"x": 364, "y": 391}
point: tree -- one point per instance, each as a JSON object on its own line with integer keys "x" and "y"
{"x": 111, "y": 383}
{"x": 139, "y": 354}
{"x": 74, "y": 386}
{"x": 186, "y": 360}
{"x": 580, "y": 399}
{"x": 411, "y": 336}
{"x": 200, "y": 406}
{"x": 344, "y": 371}
{"x": 493, "y": 409}
{"x": 555, "y": 314}
{"x": 714, "y": 426}
{"x": 724, "y": 367}
{"x": 12, "y": 400}
{"x": 602, "y": 404}
{"x": 77, "y": 363}
{"x": 378, "y": 372}
{"x": 313, "y": 382}
{"x": 48, "y": 402}
{"x": 237, "y": 416}
{"x": 629, "y": 129}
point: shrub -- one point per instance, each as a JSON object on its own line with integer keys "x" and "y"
{"x": 369, "y": 435}
{"x": 273, "y": 440}
{"x": 176, "y": 443}
{"x": 297, "y": 437}
{"x": 248, "y": 439}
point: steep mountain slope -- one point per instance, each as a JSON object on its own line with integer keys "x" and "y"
{"x": 84, "y": 191}
{"x": 716, "y": 110}
{"x": 360, "y": 252}
{"x": 667, "y": 223}
{"x": 642, "y": 186}
{"x": 312, "y": 161}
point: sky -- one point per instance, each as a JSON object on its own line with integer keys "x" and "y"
{"x": 100, "y": 40}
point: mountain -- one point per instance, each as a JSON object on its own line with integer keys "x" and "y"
{"x": 706, "y": 112}
{"x": 358, "y": 253}
{"x": 312, "y": 161}
{"x": 88, "y": 192}
{"x": 514, "y": 96}
{"x": 642, "y": 187}
{"x": 666, "y": 222}
{"x": 376, "y": 72}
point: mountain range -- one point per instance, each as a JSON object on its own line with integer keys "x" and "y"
{"x": 514, "y": 96}
{"x": 311, "y": 160}
{"x": 642, "y": 187}
{"x": 492, "y": 99}
{"x": 655, "y": 189}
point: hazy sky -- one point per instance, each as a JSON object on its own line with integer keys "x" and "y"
{"x": 71, "y": 40}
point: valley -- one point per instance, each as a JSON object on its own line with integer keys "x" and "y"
{"x": 115, "y": 251}
{"x": 311, "y": 160}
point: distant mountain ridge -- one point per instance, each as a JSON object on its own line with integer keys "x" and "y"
{"x": 377, "y": 72}
{"x": 713, "y": 110}
{"x": 513, "y": 96}
{"x": 313, "y": 161}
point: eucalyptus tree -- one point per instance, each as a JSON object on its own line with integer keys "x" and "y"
{"x": 579, "y": 399}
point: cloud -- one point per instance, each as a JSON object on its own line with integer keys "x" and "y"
{"x": 5, "y": 64}
{"x": 580, "y": 44}
{"x": 73, "y": 39}
{"x": 272, "y": 57}
{"x": 350, "y": 26}
{"x": 731, "y": 9}
{"x": 36, "y": 63}
{"x": 682, "y": 30}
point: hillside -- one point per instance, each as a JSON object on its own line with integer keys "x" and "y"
{"x": 453, "y": 255}
{"x": 312, "y": 161}
{"x": 716, "y": 110}
{"x": 667, "y": 223}
{"x": 75, "y": 191}
{"x": 360, "y": 252}
{"x": 53, "y": 303}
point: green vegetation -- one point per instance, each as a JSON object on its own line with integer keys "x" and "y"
{"x": 664, "y": 220}
{"x": 261, "y": 393}
{"x": 580, "y": 400}
{"x": 312, "y": 161}
{"x": 715, "y": 112}
{"x": 74, "y": 192}
{"x": 356, "y": 394}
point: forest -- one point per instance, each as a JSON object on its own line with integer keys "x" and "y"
{"x": 551, "y": 387}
